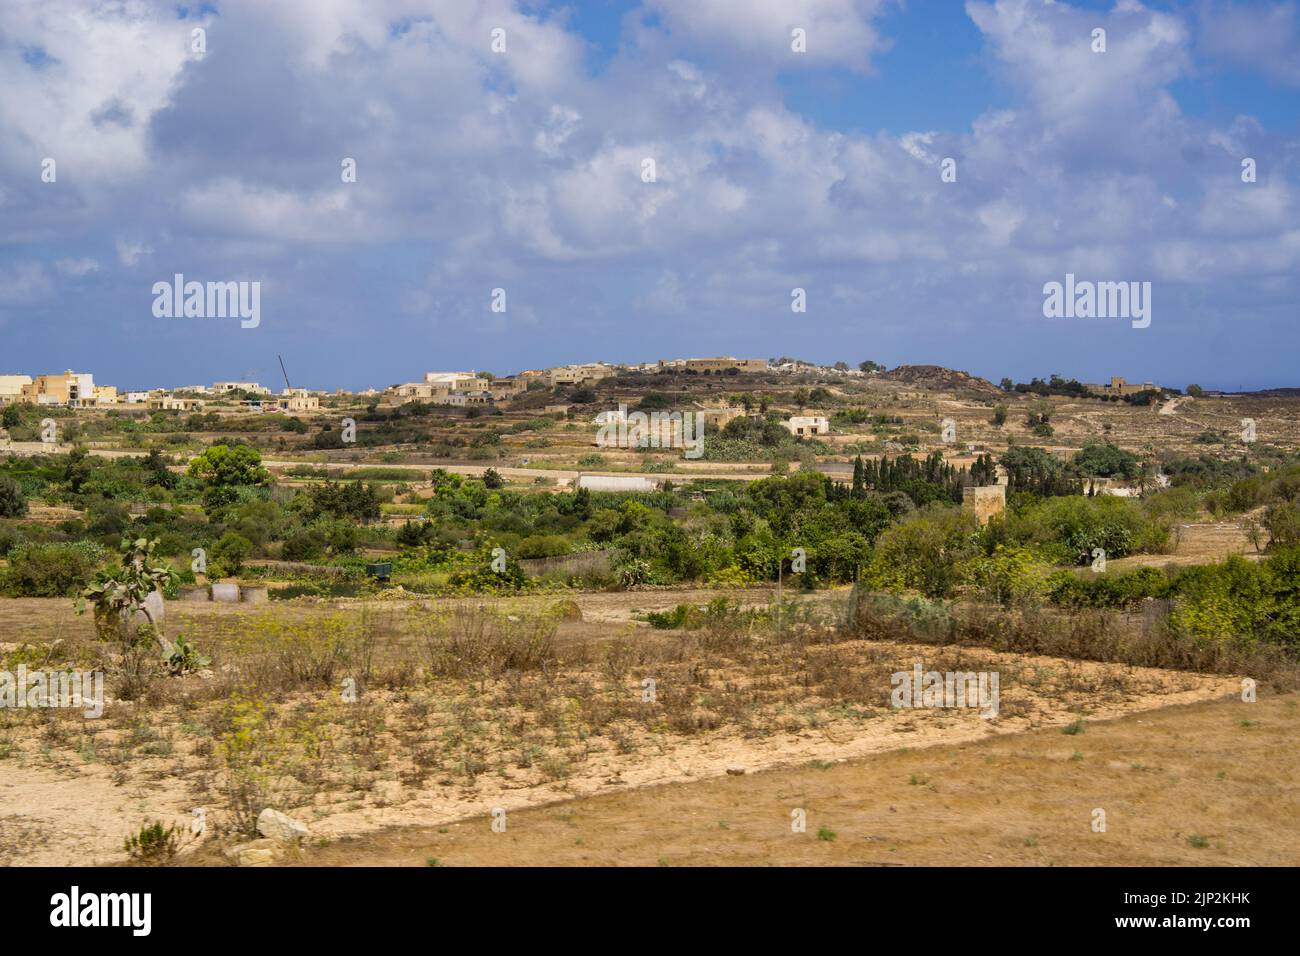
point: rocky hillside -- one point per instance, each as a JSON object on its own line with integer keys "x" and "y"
{"x": 938, "y": 378}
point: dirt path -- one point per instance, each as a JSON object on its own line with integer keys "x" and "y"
{"x": 1224, "y": 771}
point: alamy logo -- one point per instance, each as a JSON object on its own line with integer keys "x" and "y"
{"x": 103, "y": 909}
{"x": 619, "y": 429}
{"x": 917, "y": 689}
{"x": 211, "y": 300}
{"x": 38, "y": 689}
{"x": 1098, "y": 300}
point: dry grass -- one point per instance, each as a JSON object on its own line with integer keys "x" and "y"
{"x": 1023, "y": 800}
{"x": 340, "y": 716}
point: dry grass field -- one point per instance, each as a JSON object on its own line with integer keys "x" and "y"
{"x": 464, "y": 708}
{"x": 1207, "y": 784}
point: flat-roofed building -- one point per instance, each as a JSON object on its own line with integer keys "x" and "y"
{"x": 725, "y": 363}
{"x": 569, "y": 375}
{"x": 71, "y": 389}
{"x": 720, "y": 415}
{"x": 299, "y": 400}
{"x": 1118, "y": 386}
{"x": 466, "y": 399}
{"x": 805, "y": 426}
{"x": 252, "y": 388}
{"x": 11, "y": 386}
{"x": 171, "y": 403}
{"x": 452, "y": 381}
{"x": 504, "y": 389}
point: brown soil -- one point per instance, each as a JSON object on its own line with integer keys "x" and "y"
{"x": 1224, "y": 770}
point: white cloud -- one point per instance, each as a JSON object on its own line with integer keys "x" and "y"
{"x": 838, "y": 32}
{"x": 524, "y": 170}
{"x": 129, "y": 252}
{"x": 102, "y": 71}
{"x": 77, "y": 267}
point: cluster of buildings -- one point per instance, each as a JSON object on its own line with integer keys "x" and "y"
{"x": 456, "y": 389}
{"x": 460, "y": 389}
{"x": 480, "y": 388}
{"x": 78, "y": 390}
{"x": 70, "y": 390}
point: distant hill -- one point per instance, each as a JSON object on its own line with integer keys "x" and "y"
{"x": 938, "y": 378}
{"x": 1271, "y": 393}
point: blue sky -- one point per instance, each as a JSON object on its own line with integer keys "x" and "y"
{"x": 522, "y": 170}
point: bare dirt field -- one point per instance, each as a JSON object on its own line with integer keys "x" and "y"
{"x": 1200, "y": 542}
{"x": 1207, "y": 784}
{"x": 263, "y": 728}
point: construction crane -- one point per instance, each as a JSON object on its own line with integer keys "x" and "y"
{"x": 286, "y": 375}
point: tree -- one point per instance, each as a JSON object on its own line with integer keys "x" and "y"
{"x": 492, "y": 479}
{"x": 227, "y": 466}
{"x": 159, "y": 472}
{"x": 999, "y": 415}
{"x": 1106, "y": 461}
{"x": 984, "y": 471}
{"x": 413, "y": 534}
{"x": 347, "y": 499}
{"x": 869, "y": 367}
{"x": 10, "y": 417}
{"x": 78, "y": 469}
{"x": 1282, "y": 519}
{"x": 13, "y": 503}
{"x": 1195, "y": 391}
{"x": 1038, "y": 472}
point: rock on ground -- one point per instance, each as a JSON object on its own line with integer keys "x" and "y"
{"x": 279, "y": 826}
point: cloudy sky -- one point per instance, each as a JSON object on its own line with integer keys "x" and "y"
{"x": 523, "y": 170}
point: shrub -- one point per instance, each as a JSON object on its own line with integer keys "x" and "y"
{"x": 1067, "y": 529}
{"x": 1009, "y": 576}
{"x": 231, "y": 550}
{"x": 1115, "y": 591}
{"x": 10, "y": 538}
{"x": 1282, "y": 519}
{"x": 154, "y": 845}
{"x": 49, "y": 570}
{"x": 921, "y": 552}
{"x": 13, "y": 503}
{"x": 306, "y": 545}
